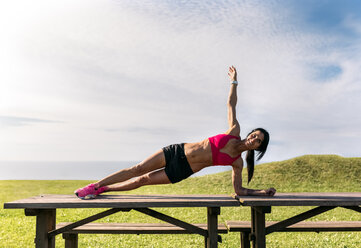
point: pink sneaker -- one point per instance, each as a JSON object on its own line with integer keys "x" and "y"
{"x": 89, "y": 192}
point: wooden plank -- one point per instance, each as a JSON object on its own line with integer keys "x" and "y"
{"x": 134, "y": 201}
{"x": 304, "y": 226}
{"x": 135, "y": 228}
{"x": 123, "y": 201}
{"x": 239, "y": 226}
{"x": 303, "y": 199}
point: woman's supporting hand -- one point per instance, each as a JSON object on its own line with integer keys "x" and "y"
{"x": 232, "y": 73}
{"x": 255, "y": 192}
{"x": 270, "y": 192}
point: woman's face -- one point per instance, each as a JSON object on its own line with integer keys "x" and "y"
{"x": 254, "y": 140}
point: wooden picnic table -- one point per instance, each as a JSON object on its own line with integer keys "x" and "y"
{"x": 44, "y": 208}
{"x": 322, "y": 201}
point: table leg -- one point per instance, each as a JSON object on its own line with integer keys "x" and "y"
{"x": 45, "y": 222}
{"x": 71, "y": 240}
{"x": 258, "y": 226}
{"x": 245, "y": 242}
{"x": 253, "y": 228}
{"x": 212, "y": 220}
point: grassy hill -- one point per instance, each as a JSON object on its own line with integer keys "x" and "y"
{"x": 317, "y": 173}
{"x": 311, "y": 173}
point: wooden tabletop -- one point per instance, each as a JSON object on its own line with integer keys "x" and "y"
{"x": 145, "y": 201}
{"x": 304, "y": 199}
{"x": 124, "y": 201}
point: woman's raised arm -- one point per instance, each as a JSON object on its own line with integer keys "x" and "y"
{"x": 233, "y": 124}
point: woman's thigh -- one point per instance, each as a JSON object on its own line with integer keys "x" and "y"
{"x": 154, "y": 162}
{"x": 157, "y": 177}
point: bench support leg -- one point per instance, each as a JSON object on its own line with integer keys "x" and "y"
{"x": 45, "y": 222}
{"x": 71, "y": 240}
{"x": 300, "y": 217}
{"x": 212, "y": 220}
{"x": 97, "y": 216}
{"x": 258, "y": 226}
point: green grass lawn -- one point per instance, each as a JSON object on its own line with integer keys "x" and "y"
{"x": 312, "y": 173}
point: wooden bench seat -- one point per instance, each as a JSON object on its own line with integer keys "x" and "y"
{"x": 303, "y": 226}
{"x": 71, "y": 237}
{"x": 244, "y": 227}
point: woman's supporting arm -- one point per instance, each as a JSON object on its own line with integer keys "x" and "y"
{"x": 239, "y": 190}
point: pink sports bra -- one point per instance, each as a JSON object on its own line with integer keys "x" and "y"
{"x": 217, "y": 143}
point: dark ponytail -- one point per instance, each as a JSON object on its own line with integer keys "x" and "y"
{"x": 250, "y": 164}
{"x": 261, "y": 151}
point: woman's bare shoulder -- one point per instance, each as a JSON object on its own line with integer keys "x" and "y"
{"x": 234, "y": 131}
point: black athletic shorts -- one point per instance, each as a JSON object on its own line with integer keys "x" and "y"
{"x": 177, "y": 167}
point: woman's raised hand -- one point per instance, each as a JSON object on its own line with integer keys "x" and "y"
{"x": 232, "y": 73}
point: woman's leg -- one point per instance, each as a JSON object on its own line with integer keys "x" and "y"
{"x": 152, "y": 163}
{"x": 151, "y": 178}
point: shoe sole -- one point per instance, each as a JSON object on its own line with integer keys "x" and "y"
{"x": 87, "y": 197}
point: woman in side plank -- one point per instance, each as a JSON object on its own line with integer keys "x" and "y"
{"x": 176, "y": 162}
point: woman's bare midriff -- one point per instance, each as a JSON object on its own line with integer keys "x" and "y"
{"x": 199, "y": 154}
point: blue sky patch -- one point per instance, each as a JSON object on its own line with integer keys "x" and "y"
{"x": 327, "y": 16}
{"x": 324, "y": 73}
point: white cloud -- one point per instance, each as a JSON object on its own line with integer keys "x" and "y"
{"x": 106, "y": 69}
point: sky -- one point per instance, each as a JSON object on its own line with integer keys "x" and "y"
{"x": 118, "y": 80}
